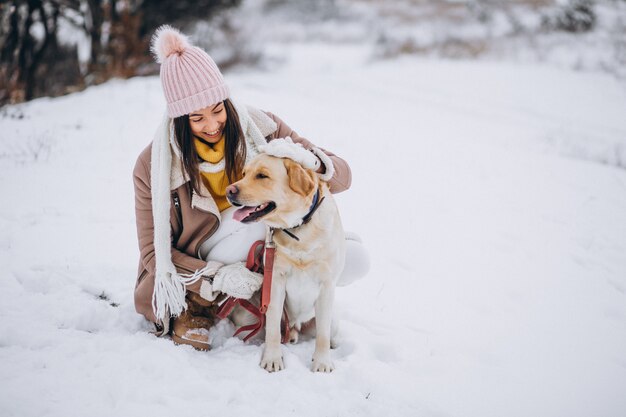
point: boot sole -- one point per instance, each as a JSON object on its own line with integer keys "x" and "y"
{"x": 196, "y": 344}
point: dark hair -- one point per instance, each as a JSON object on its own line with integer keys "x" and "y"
{"x": 234, "y": 149}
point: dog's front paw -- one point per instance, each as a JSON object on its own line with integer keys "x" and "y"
{"x": 272, "y": 360}
{"x": 322, "y": 362}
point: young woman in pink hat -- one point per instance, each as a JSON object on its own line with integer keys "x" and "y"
{"x": 191, "y": 250}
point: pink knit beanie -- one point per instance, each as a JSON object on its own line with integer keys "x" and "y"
{"x": 191, "y": 80}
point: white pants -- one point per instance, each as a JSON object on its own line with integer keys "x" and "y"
{"x": 232, "y": 240}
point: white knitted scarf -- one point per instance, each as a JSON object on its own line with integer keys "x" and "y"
{"x": 166, "y": 175}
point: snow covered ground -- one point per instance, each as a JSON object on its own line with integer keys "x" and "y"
{"x": 492, "y": 198}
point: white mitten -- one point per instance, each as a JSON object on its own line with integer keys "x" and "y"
{"x": 286, "y": 148}
{"x": 235, "y": 280}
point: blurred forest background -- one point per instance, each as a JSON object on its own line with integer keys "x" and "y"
{"x": 54, "y": 47}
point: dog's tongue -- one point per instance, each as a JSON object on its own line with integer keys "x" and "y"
{"x": 242, "y": 213}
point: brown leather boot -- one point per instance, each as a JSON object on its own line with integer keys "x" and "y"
{"x": 192, "y": 326}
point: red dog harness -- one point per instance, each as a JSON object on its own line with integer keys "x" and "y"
{"x": 258, "y": 252}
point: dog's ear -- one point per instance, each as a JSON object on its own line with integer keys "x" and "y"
{"x": 300, "y": 179}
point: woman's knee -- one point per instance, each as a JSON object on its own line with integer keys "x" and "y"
{"x": 234, "y": 247}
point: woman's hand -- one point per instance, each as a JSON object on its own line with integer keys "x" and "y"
{"x": 286, "y": 148}
{"x": 235, "y": 280}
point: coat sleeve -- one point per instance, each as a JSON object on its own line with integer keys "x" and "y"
{"x": 342, "y": 178}
{"x": 145, "y": 236}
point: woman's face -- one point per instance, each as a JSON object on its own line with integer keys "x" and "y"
{"x": 208, "y": 124}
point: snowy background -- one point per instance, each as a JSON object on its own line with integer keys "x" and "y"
{"x": 491, "y": 194}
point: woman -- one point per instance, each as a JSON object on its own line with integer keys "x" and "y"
{"x": 190, "y": 248}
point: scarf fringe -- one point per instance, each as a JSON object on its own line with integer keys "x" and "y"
{"x": 169, "y": 293}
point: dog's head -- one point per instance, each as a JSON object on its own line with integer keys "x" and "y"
{"x": 277, "y": 191}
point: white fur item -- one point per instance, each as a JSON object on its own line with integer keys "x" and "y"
{"x": 167, "y": 41}
{"x": 286, "y": 148}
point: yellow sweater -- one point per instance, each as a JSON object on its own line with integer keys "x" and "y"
{"x": 218, "y": 181}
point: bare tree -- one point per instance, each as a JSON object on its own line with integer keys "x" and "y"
{"x": 22, "y": 53}
{"x": 34, "y": 63}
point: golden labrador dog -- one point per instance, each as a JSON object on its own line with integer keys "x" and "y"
{"x": 310, "y": 250}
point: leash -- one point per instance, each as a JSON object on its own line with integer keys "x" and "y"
{"x": 261, "y": 260}
{"x": 268, "y": 269}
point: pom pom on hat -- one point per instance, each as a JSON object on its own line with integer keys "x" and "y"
{"x": 191, "y": 80}
{"x": 167, "y": 41}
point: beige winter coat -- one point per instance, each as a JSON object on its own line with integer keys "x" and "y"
{"x": 191, "y": 226}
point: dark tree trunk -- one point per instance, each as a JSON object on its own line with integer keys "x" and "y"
{"x": 95, "y": 33}
{"x": 31, "y": 70}
{"x": 11, "y": 42}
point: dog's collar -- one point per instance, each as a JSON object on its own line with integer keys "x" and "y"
{"x": 317, "y": 201}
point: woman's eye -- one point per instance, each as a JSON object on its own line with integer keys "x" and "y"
{"x": 261, "y": 176}
{"x": 218, "y": 111}
{"x": 196, "y": 120}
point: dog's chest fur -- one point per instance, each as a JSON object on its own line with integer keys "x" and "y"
{"x": 303, "y": 274}
{"x": 303, "y": 290}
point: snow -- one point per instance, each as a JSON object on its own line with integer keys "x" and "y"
{"x": 491, "y": 196}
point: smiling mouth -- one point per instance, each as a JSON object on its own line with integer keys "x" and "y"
{"x": 213, "y": 134}
{"x": 248, "y": 214}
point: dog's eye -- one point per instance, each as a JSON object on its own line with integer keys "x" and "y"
{"x": 261, "y": 176}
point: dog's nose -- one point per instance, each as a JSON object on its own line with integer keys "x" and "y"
{"x": 231, "y": 190}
